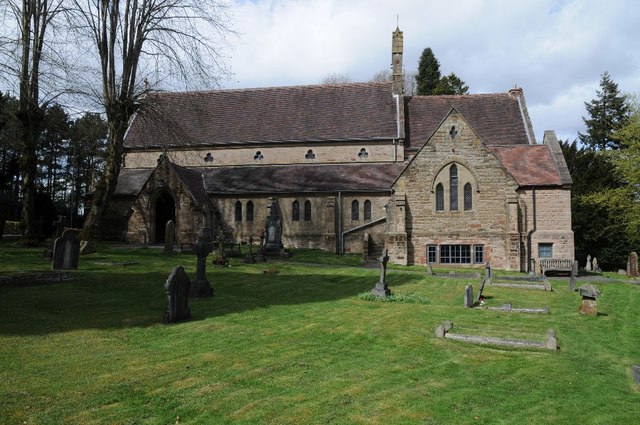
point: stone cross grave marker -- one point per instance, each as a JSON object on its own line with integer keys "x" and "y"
{"x": 169, "y": 237}
{"x": 633, "y": 264}
{"x": 250, "y": 258}
{"x": 176, "y": 290}
{"x": 200, "y": 287}
{"x": 66, "y": 250}
{"x": 588, "y": 267}
{"x": 468, "y": 296}
{"x": 381, "y": 289}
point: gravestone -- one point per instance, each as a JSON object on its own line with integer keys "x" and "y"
{"x": 220, "y": 259}
{"x": 595, "y": 266}
{"x": 429, "y": 269}
{"x": 588, "y": 267}
{"x": 589, "y": 305}
{"x": 273, "y": 230}
{"x": 169, "y": 237}
{"x": 633, "y": 264}
{"x": 574, "y": 276}
{"x": 201, "y": 287}
{"x": 487, "y": 271}
{"x": 636, "y": 373}
{"x": 250, "y": 258}
{"x": 66, "y": 250}
{"x": 468, "y": 296}
{"x": 381, "y": 289}
{"x": 176, "y": 290}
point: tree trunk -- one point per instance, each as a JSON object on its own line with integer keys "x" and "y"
{"x": 107, "y": 184}
{"x": 30, "y": 120}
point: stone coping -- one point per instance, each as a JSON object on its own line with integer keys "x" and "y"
{"x": 551, "y": 343}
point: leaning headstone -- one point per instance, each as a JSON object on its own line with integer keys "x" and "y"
{"x": 468, "y": 296}
{"x": 588, "y": 267}
{"x": 633, "y": 264}
{"x": 201, "y": 287}
{"x": 177, "y": 292}
{"x": 589, "y": 305}
{"x": 169, "y": 237}
{"x": 574, "y": 276}
{"x": 381, "y": 289}
{"x": 66, "y": 251}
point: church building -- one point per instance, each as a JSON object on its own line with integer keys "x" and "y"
{"x": 351, "y": 168}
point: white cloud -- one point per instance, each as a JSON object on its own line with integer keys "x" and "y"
{"x": 555, "y": 49}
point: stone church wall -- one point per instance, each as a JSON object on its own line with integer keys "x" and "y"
{"x": 488, "y": 223}
{"x": 261, "y": 155}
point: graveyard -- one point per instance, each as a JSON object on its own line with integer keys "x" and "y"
{"x": 313, "y": 342}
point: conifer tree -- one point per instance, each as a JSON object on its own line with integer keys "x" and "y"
{"x": 607, "y": 113}
{"x": 428, "y": 73}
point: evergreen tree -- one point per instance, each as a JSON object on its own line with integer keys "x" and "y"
{"x": 451, "y": 84}
{"x": 607, "y": 114}
{"x": 428, "y": 73}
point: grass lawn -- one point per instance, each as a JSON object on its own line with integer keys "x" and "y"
{"x": 302, "y": 347}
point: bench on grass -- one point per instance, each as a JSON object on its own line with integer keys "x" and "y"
{"x": 556, "y": 265}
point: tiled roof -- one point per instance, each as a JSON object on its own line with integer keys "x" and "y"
{"x": 131, "y": 180}
{"x": 496, "y": 118}
{"x": 302, "y": 178}
{"x": 530, "y": 165}
{"x": 194, "y": 183}
{"x": 357, "y": 111}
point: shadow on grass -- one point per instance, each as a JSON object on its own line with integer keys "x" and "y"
{"x": 112, "y": 300}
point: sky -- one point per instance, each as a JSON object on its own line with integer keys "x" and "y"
{"x": 555, "y": 50}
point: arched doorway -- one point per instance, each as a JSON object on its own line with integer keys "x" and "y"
{"x": 165, "y": 210}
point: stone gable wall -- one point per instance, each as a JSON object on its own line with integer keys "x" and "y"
{"x": 141, "y": 226}
{"x": 489, "y": 223}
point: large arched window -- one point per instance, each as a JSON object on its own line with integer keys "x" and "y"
{"x": 238, "y": 211}
{"x": 355, "y": 210}
{"x": 439, "y": 197}
{"x": 468, "y": 197}
{"x": 295, "y": 211}
{"x": 250, "y": 211}
{"x": 307, "y": 210}
{"x": 367, "y": 210}
{"x": 453, "y": 188}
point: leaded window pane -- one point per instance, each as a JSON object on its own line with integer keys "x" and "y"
{"x": 453, "y": 187}
{"x": 367, "y": 210}
{"x": 295, "y": 211}
{"x": 307, "y": 210}
{"x": 249, "y": 211}
{"x": 355, "y": 210}
{"x": 439, "y": 197}
{"x": 468, "y": 197}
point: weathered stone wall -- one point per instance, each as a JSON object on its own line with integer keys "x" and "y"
{"x": 280, "y": 154}
{"x": 493, "y": 220}
{"x": 321, "y": 232}
{"x": 552, "y": 220}
{"x": 142, "y": 225}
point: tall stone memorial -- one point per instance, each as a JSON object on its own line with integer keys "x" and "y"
{"x": 176, "y": 290}
{"x": 169, "y": 237}
{"x": 273, "y": 229}
{"x": 66, "y": 250}
{"x": 201, "y": 288}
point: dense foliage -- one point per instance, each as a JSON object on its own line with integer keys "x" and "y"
{"x": 429, "y": 81}
{"x": 605, "y": 201}
{"x": 70, "y": 153}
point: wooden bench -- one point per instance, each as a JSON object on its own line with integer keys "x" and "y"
{"x": 556, "y": 265}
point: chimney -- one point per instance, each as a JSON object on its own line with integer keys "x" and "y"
{"x": 396, "y": 62}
